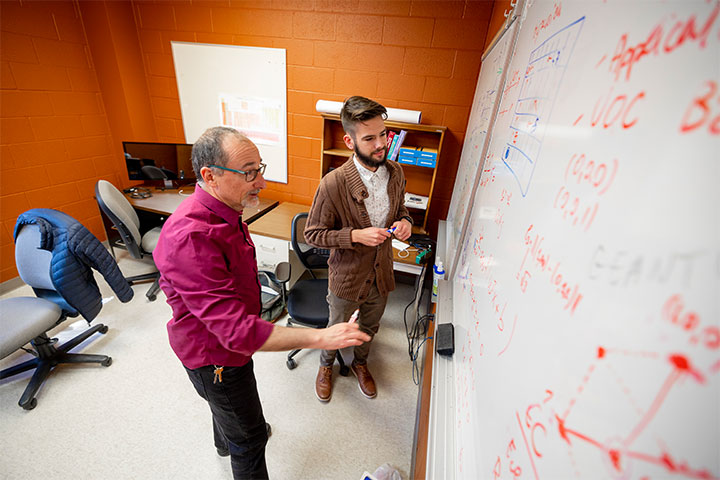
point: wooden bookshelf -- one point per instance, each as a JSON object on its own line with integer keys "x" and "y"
{"x": 420, "y": 180}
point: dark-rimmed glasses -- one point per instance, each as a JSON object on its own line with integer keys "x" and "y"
{"x": 250, "y": 175}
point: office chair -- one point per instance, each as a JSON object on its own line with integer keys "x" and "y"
{"x": 151, "y": 172}
{"x": 273, "y": 292}
{"x": 123, "y": 217}
{"x": 307, "y": 299}
{"x": 54, "y": 254}
{"x": 169, "y": 174}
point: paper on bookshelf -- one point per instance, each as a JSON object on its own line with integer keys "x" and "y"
{"x": 393, "y": 114}
{"x": 414, "y": 200}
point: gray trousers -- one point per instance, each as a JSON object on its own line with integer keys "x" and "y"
{"x": 371, "y": 311}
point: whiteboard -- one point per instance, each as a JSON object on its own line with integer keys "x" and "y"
{"x": 240, "y": 87}
{"x": 482, "y": 117}
{"x": 585, "y": 301}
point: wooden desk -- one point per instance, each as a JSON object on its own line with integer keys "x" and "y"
{"x": 153, "y": 211}
{"x": 406, "y": 264}
{"x": 162, "y": 202}
{"x": 271, "y": 236}
{"x": 165, "y": 202}
{"x": 278, "y": 223}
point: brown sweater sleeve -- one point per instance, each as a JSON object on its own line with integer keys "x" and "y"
{"x": 320, "y": 228}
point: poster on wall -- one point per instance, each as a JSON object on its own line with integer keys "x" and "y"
{"x": 258, "y": 118}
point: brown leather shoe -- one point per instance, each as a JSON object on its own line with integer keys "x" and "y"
{"x": 323, "y": 384}
{"x": 365, "y": 380}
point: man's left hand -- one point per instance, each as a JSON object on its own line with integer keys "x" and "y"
{"x": 403, "y": 229}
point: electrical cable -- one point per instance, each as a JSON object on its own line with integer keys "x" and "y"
{"x": 404, "y": 253}
{"x": 410, "y": 332}
{"x": 31, "y": 352}
{"x": 182, "y": 192}
{"x": 415, "y": 367}
{"x": 416, "y": 331}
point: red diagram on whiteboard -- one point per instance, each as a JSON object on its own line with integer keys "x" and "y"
{"x": 620, "y": 452}
{"x": 623, "y": 452}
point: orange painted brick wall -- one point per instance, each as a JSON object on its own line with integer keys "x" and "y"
{"x": 56, "y": 137}
{"x": 498, "y": 18}
{"x": 419, "y": 55}
{"x": 55, "y": 142}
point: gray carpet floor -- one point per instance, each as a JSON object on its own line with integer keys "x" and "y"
{"x": 140, "y": 418}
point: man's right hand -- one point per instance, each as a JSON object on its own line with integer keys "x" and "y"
{"x": 341, "y": 335}
{"x": 338, "y": 336}
{"x": 370, "y": 236}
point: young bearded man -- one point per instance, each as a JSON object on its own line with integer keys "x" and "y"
{"x": 356, "y": 210}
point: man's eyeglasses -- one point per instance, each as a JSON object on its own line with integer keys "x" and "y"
{"x": 250, "y": 175}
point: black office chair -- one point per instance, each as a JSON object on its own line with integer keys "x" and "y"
{"x": 117, "y": 208}
{"x": 54, "y": 255}
{"x": 307, "y": 299}
{"x": 169, "y": 174}
{"x": 151, "y": 172}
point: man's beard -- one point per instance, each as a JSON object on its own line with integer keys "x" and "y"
{"x": 369, "y": 161}
{"x": 251, "y": 202}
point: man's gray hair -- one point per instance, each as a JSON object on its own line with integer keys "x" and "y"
{"x": 208, "y": 149}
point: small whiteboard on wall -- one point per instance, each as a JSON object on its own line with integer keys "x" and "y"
{"x": 240, "y": 87}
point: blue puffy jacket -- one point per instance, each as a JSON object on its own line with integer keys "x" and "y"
{"x": 74, "y": 251}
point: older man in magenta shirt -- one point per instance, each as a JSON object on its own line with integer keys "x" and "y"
{"x": 209, "y": 275}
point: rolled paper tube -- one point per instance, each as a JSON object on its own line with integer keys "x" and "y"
{"x": 394, "y": 114}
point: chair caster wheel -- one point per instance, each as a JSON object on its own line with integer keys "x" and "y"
{"x": 30, "y": 405}
{"x": 291, "y": 363}
{"x": 344, "y": 370}
{"x": 106, "y": 363}
{"x": 103, "y": 330}
{"x": 151, "y": 298}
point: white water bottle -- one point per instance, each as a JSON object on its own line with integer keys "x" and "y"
{"x": 438, "y": 274}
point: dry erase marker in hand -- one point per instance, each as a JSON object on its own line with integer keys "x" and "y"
{"x": 391, "y": 230}
{"x": 354, "y": 316}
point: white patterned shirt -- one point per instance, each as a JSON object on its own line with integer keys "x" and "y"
{"x": 378, "y": 202}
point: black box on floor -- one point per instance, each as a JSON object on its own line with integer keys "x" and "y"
{"x": 445, "y": 339}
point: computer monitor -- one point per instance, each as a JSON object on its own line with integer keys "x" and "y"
{"x": 174, "y": 159}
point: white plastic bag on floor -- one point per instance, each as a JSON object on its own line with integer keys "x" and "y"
{"x": 386, "y": 472}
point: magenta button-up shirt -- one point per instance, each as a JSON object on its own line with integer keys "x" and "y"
{"x": 209, "y": 275}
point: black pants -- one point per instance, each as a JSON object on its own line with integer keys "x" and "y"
{"x": 238, "y": 422}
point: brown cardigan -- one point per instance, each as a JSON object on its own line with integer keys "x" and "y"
{"x": 337, "y": 209}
